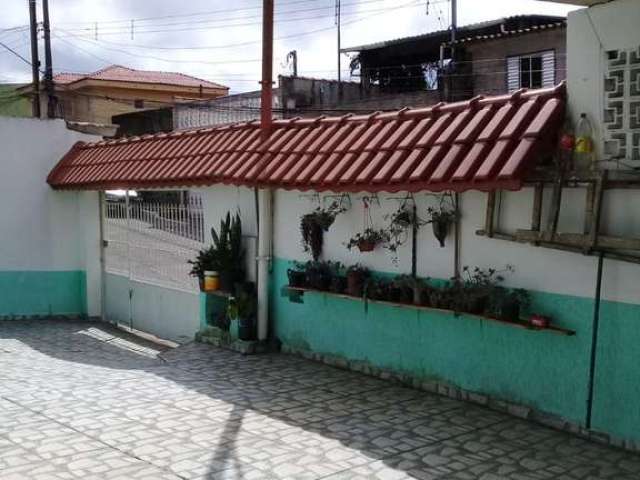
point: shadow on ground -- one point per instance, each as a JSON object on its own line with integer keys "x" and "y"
{"x": 85, "y": 400}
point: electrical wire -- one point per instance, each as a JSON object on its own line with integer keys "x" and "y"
{"x": 228, "y": 26}
{"x": 8, "y": 48}
{"x": 126, "y": 27}
{"x": 408, "y": 5}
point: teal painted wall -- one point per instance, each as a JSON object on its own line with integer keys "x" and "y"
{"x": 616, "y": 406}
{"x": 537, "y": 368}
{"x": 43, "y": 293}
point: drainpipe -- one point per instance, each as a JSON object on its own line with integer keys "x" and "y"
{"x": 265, "y": 219}
{"x": 103, "y": 275}
{"x": 594, "y": 341}
{"x": 265, "y": 233}
{"x": 456, "y": 247}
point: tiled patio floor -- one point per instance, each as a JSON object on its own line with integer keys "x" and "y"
{"x": 84, "y": 401}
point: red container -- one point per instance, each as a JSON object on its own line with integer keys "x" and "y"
{"x": 540, "y": 321}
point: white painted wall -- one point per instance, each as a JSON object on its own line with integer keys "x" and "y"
{"x": 219, "y": 200}
{"x": 43, "y": 229}
{"x": 591, "y": 32}
{"x": 539, "y": 269}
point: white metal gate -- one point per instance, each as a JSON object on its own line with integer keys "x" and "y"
{"x": 147, "y": 248}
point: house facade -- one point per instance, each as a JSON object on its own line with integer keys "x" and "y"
{"x": 489, "y": 58}
{"x": 97, "y": 97}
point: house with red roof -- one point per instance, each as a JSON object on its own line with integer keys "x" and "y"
{"x": 96, "y": 97}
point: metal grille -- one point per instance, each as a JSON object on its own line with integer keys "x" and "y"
{"x": 153, "y": 242}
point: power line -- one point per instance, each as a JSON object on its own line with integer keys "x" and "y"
{"x": 131, "y": 54}
{"x": 287, "y": 13}
{"x": 92, "y": 42}
{"x": 8, "y": 48}
{"x": 126, "y": 22}
{"x": 227, "y": 26}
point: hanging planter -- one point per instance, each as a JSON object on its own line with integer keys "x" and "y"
{"x": 402, "y": 224}
{"x": 314, "y": 224}
{"x": 441, "y": 219}
{"x": 368, "y": 240}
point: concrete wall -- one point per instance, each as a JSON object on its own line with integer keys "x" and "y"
{"x": 592, "y": 32}
{"x": 49, "y": 241}
{"x": 542, "y": 370}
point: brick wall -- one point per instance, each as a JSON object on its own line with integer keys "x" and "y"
{"x": 489, "y": 58}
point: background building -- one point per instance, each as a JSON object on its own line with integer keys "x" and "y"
{"x": 96, "y": 97}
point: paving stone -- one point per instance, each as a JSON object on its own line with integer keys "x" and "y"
{"x": 82, "y": 400}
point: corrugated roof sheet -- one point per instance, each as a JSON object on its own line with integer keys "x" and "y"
{"x": 483, "y": 144}
{"x": 515, "y": 24}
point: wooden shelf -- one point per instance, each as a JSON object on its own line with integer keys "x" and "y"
{"x": 519, "y": 324}
{"x": 218, "y": 293}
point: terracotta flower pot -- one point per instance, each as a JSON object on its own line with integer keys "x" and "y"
{"x": 366, "y": 245}
{"x": 355, "y": 283}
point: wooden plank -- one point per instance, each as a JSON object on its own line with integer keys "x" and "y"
{"x": 596, "y": 212}
{"x": 580, "y": 240}
{"x": 588, "y": 214}
{"x": 519, "y": 324}
{"x": 490, "y": 213}
{"x": 556, "y": 201}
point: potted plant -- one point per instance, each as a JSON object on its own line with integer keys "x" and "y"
{"x": 440, "y": 297}
{"x": 377, "y": 289}
{"x": 225, "y": 255}
{"x": 367, "y": 240}
{"x": 297, "y": 275}
{"x": 318, "y": 274}
{"x": 517, "y": 301}
{"x": 473, "y": 292}
{"x": 401, "y": 290}
{"x": 507, "y": 304}
{"x": 314, "y": 224}
{"x": 357, "y": 275}
{"x": 401, "y": 222}
{"x": 338, "y": 278}
{"x": 205, "y": 260}
{"x": 242, "y": 308}
{"x": 441, "y": 219}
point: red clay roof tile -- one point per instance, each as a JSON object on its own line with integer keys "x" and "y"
{"x": 118, "y": 73}
{"x": 483, "y": 144}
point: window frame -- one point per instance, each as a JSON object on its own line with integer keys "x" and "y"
{"x": 531, "y": 54}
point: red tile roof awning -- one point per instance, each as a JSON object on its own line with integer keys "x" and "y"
{"x": 483, "y": 144}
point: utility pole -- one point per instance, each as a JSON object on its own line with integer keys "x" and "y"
{"x": 266, "y": 97}
{"x": 264, "y": 196}
{"x": 48, "y": 66}
{"x": 338, "y": 15}
{"x": 454, "y": 20}
{"x": 35, "y": 61}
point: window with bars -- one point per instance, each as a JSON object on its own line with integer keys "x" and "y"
{"x": 535, "y": 70}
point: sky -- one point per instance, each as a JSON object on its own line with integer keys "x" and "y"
{"x": 219, "y": 40}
